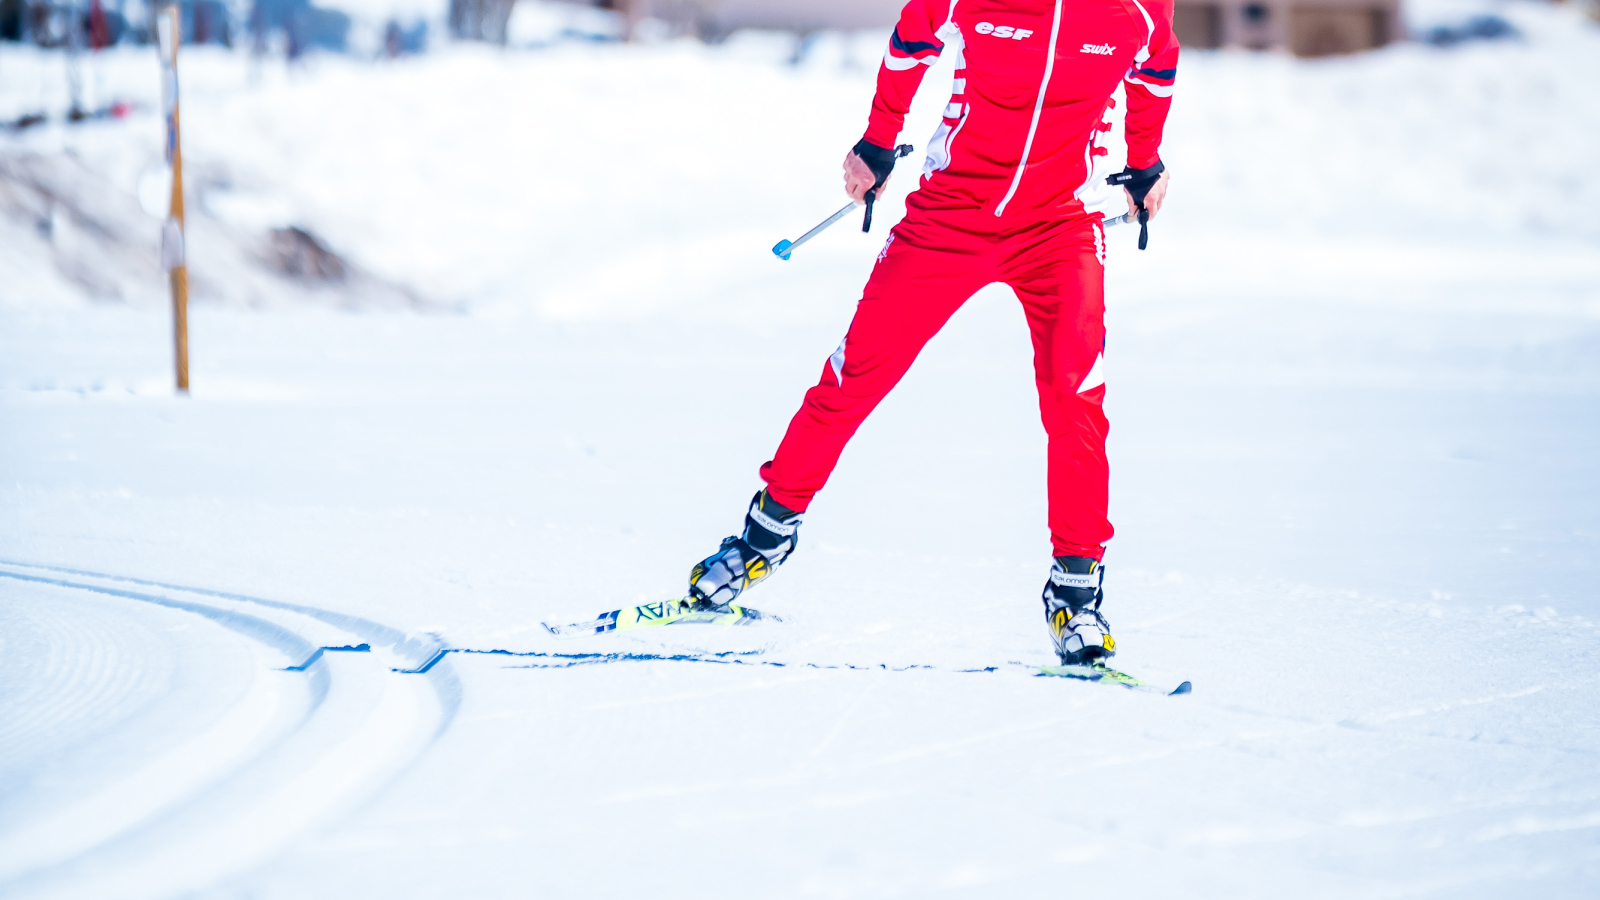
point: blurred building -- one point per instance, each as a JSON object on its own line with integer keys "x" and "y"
{"x": 811, "y": 15}
{"x": 77, "y": 24}
{"x": 303, "y": 24}
{"x": 1302, "y": 27}
{"x": 485, "y": 20}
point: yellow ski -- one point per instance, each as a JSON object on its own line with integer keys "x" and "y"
{"x": 650, "y": 615}
{"x": 1112, "y": 676}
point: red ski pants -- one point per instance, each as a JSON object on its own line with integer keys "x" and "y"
{"x": 934, "y": 261}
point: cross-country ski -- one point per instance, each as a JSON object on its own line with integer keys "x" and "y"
{"x": 1104, "y": 675}
{"x": 652, "y": 615}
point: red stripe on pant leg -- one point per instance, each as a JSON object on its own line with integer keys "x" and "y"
{"x": 926, "y": 274}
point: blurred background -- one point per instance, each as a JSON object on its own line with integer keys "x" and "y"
{"x": 485, "y": 331}
{"x": 394, "y": 153}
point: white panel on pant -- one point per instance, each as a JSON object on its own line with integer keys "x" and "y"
{"x": 1094, "y": 379}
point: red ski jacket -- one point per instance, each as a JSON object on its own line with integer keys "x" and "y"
{"x": 1013, "y": 101}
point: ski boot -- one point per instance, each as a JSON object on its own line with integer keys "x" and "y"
{"x": 1072, "y": 610}
{"x": 771, "y": 532}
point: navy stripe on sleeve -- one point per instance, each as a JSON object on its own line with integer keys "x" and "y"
{"x": 1165, "y": 74}
{"x": 911, "y": 48}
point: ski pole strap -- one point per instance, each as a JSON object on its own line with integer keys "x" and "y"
{"x": 1139, "y": 182}
{"x": 872, "y": 193}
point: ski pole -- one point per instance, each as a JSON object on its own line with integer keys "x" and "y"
{"x": 1142, "y": 216}
{"x": 783, "y": 248}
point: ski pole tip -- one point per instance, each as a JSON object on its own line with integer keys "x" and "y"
{"x": 781, "y": 249}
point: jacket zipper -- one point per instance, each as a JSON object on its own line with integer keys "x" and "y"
{"x": 1038, "y": 108}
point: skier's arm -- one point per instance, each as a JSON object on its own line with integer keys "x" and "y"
{"x": 1149, "y": 88}
{"x": 913, "y": 47}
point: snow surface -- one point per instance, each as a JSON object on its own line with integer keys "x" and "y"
{"x": 1355, "y": 394}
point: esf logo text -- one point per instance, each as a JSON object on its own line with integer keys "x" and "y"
{"x": 1002, "y": 31}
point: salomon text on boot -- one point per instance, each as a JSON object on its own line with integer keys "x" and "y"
{"x": 771, "y": 532}
{"x": 1072, "y": 609}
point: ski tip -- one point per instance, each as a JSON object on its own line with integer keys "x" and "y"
{"x": 1185, "y": 688}
{"x": 781, "y": 249}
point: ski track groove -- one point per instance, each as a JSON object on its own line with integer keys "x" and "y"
{"x": 348, "y": 762}
{"x": 88, "y": 657}
{"x": 85, "y": 670}
{"x": 726, "y": 657}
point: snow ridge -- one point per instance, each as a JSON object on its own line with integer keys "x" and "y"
{"x": 307, "y": 742}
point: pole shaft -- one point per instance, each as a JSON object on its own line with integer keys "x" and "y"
{"x": 823, "y": 225}
{"x": 178, "y": 274}
{"x": 180, "y": 324}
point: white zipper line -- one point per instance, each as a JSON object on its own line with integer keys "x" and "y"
{"x": 1038, "y": 107}
{"x": 1150, "y": 35}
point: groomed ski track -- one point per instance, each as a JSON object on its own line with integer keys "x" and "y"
{"x": 333, "y": 709}
{"x": 320, "y": 723}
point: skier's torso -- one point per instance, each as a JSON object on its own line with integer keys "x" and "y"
{"x": 1002, "y": 53}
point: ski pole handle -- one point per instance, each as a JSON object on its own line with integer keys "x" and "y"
{"x": 783, "y": 248}
{"x": 872, "y": 194}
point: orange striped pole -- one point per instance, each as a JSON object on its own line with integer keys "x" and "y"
{"x": 169, "y": 33}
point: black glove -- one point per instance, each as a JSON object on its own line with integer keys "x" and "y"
{"x": 1139, "y": 182}
{"x": 879, "y": 159}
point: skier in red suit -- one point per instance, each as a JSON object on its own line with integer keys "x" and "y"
{"x": 1019, "y": 151}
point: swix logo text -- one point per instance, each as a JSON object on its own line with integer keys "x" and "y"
{"x": 1002, "y": 31}
{"x": 1098, "y": 49}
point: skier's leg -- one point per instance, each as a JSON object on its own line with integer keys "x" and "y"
{"x": 922, "y": 277}
{"x": 925, "y": 272}
{"x": 1060, "y": 281}
{"x": 1057, "y": 273}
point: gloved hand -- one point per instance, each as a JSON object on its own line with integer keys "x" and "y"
{"x": 1139, "y": 183}
{"x": 866, "y": 168}
{"x": 866, "y": 171}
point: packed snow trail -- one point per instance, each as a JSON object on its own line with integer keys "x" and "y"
{"x": 225, "y": 788}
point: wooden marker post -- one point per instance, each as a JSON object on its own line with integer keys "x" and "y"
{"x": 169, "y": 33}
